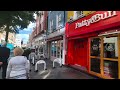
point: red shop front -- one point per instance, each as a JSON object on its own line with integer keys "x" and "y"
{"x": 100, "y": 28}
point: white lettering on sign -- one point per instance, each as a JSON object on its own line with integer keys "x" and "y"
{"x": 95, "y": 18}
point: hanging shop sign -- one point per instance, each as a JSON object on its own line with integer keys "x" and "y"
{"x": 95, "y": 18}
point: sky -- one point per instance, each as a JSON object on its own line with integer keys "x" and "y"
{"x": 24, "y": 34}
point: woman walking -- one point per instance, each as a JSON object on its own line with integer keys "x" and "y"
{"x": 18, "y": 66}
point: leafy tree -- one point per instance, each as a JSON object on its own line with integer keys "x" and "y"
{"x": 12, "y": 21}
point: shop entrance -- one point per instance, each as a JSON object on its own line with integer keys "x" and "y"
{"x": 80, "y": 55}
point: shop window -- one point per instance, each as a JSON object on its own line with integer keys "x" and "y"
{"x": 58, "y": 49}
{"x": 111, "y": 69}
{"x": 95, "y": 65}
{"x": 110, "y": 47}
{"x": 55, "y": 48}
{"x": 52, "y": 48}
{"x": 95, "y": 47}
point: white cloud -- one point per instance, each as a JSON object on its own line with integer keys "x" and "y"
{"x": 30, "y": 27}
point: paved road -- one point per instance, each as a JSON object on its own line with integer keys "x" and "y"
{"x": 58, "y": 73}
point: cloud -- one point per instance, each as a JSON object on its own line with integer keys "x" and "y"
{"x": 28, "y": 30}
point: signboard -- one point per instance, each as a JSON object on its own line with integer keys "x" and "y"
{"x": 95, "y": 18}
{"x": 98, "y": 21}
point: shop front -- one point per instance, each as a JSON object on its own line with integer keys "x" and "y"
{"x": 56, "y": 45}
{"x": 93, "y": 43}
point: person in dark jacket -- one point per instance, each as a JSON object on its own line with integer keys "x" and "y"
{"x": 4, "y": 55}
{"x": 26, "y": 53}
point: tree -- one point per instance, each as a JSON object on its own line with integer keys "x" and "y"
{"x": 13, "y": 21}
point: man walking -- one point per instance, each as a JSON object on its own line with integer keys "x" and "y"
{"x": 4, "y": 55}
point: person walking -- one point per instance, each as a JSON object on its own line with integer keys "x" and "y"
{"x": 31, "y": 55}
{"x": 27, "y": 52}
{"x": 18, "y": 66}
{"x": 4, "y": 55}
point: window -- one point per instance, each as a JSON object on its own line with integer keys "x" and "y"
{"x": 110, "y": 47}
{"x": 95, "y": 47}
{"x": 51, "y": 26}
{"x": 80, "y": 14}
{"x": 104, "y": 53}
{"x": 111, "y": 69}
{"x": 55, "y": 48}
{"x": 59, "y": 21}
{"x": 52, "y": 48}
{"x": 58, "y": 49}
{"x": 95, "y": 55}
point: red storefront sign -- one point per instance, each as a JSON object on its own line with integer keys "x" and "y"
{"x": 97, "y": 21}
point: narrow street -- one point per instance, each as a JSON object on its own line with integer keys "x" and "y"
{"x": 58, "y": 72}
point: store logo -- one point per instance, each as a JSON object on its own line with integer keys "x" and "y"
{"x": 109, "y": 47}
{"x": 95, "y": 47}
{"x": 95, "y": 18}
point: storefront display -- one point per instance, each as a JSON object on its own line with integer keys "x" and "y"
{"x": 111, "y": 69}
{"x": 100, "y": 33}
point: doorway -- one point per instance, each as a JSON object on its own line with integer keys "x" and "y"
{"x": 80, "y": 54}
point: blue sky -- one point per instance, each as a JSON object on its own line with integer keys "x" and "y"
{"x": 24, "y": 34}
{"x": 27, "y": 30}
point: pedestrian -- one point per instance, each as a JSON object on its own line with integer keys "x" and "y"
{"x": 31, "y": 55}
{"x": 27, "y": 52}
{"x": 4, "y": 55}
{"x": 18, "y": 66}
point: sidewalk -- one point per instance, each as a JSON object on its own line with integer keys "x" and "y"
{"x": 63, "y": 72}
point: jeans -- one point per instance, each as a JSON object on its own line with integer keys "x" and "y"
{"x": 4, "y": 68}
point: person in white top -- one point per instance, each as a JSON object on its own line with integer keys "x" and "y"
{"x": 31, "y": 55}
{"x": 18, "y": 66}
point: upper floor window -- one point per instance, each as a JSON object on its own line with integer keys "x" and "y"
{"x": 80, "y": 14}
{"x": 59, "y": 21}
{"x": 51, "y": 26}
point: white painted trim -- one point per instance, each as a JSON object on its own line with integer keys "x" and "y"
{"x": 57, "y": 33}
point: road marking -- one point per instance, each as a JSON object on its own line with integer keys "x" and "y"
{"x": 47, "y": 75}
{"x": 41, "y": 72}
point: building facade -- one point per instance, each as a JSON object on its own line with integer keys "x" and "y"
{"x": 56, "y": 35}
{"x": 38, "y": 36}
{"x": 11, "y": 37}
{"x": 18, "y": 42}
{"x": 93, "y": 44}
